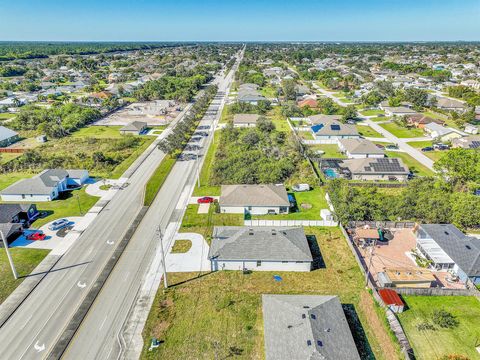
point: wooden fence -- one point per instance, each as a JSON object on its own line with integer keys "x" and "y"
{"x": 12, "y": 150}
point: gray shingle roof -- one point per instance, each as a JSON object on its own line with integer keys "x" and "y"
{"x": 377, "y": 166}
{"x": 305, "y": 327}
{"x": 463, "y": 250}
{"x": 245, "y": 118}
{"x": 254, "y": 195}
{"x": 330, "y": 126}
{"x": 134, "y": 126}
{"x": 260, "y": 243}
{"x": 8, "y": 211}
{"x": 361, "y": 146}
{"x": 6, "y": 133}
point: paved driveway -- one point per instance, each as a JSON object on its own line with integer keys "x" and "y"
{"x": 195, "y": 259}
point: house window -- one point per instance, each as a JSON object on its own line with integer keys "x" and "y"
{"x": 259, "y": 263}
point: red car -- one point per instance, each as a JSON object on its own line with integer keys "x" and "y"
{"x": 205, "y": 200}
{"x": 36, "y": 236}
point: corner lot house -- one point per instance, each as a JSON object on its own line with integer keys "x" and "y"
{"x": 420, "y": 120}
{"x": 360, "y": 148}
{"x": 245, "y": 120}
{"x": 134, "y": 128}
{"x": 446, "y": 134}
{"x": 7, "y": 136}
{"x": 301, "y": 327}
{"x": 377, "y": 169}
{"x": 469, "y": 142}
{"x": 450, "y": 249}
{"x": 45, "y": 186}
{"x": 254, "y": 199}
{"x": 330, "y": 131}
{"x": 260, "y": 249}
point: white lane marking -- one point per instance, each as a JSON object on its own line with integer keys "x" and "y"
{"x": 81, "y": 285}
{"x": 103, "y": 323}
{"x": 127, "y": 274}
{"x": 39, "y": 348}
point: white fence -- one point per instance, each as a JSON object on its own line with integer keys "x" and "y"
{"x": 304, "y": 129}
{"x": 324, "y": 141}
{"x": 289, "y": 223}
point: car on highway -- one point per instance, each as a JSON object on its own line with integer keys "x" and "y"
{"x": 36, "y": 236}
{"x": 427, "y": 148}
{"x": 58, "y": 224}
{"x": 205, "y": 200}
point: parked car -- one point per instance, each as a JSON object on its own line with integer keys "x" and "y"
{"x": 37, "y": 235}
{"x": 205, "y": 200}
{"x": 301, "y": 187}
{"x": 427, "y": 148}
{"x": 58, "y": 224}
{"x": 441, "y": 146}
{"x": 391, "y": 147}
{"x": 380, "y": 146}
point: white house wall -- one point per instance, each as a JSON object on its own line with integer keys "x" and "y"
{"x": 265, "y": 266}
{"x": 29, "y": 198}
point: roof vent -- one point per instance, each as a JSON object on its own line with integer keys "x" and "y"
{"x": 250, "y": 231}
{"x": 313, "y": 316}
{"x": 446, "y": 233}
{"x": 303, "y": 316}
{"x": 309, "y": 342}
{"x": 319, "y": 343}
{"x": 306, "y": 307}
{"x": 327, "y": 330}
{"x": 468, "y": 247}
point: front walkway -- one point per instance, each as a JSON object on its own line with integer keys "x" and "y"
{"x": 195, "y": 259}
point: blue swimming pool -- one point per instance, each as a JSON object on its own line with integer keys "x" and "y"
{"x": 330, "y": 173}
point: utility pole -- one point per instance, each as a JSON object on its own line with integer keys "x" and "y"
{"x": 164, "y": 266}
{"x": 79, "y": 207}
{"x": 9, "y": 256}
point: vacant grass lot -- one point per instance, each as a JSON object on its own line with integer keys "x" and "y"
{"x": 74, "y": 203}
{"x": 313, "y": 201}
{"x": 157, "y": 179}
{"x": 372, "y": 112}
{"x": 416, "y": 167}
{"x": 6, "y": 157}
{"x": 203, "y": 223}
{"x": 121, "y": 168}
{"x": 99, "y": 132}
{"x": 367, "y": 131}
{"x": 205, "y": 188}
{"x": 402, "y": 132}
{"x": 219, "y": 315}
{"x": 25, "y": 261}
{"x": 433, "y": 344}
{"x": 330, "y": 150}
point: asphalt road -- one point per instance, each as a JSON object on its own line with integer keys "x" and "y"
{"x": 99, "y": 335}
{"x": 36, "y": 325}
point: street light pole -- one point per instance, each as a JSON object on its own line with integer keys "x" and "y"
{"x": 79, "y": 207}
{"x": 9, "y": 256}
{"x": 162, "y": 251}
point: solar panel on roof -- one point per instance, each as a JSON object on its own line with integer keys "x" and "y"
{"x": 475, "y": 144}
{"x": 335, "y": 127}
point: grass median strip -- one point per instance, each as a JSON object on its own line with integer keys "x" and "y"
{"x": 157, "y": 179}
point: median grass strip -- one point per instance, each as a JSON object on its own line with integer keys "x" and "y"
{"x": 436, "y": 342}
{"x": 402, "y": 132}
{"x": 25, "y": 261}
{"x": 157, "y": 179}
{"x": 219, "y": 315}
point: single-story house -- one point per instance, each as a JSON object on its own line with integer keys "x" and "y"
{"x": 15, "y": 213}
{"x": 321, "y": 118}
{"x": 392, "y": 300}
{"x": 11, "y": 231}
{"x": 7, "y": 136}
{"x": 398, "y": 111}
{"x": 254, "y": 199}
{"x": 260, "y": 249}
{"x": 377, "y": 169}
{"x": 245, "y": 120}
{"x": 306, "y": 327}
{"x": 445, "y": 134}
{"x": 450, "y": 249}
{"x": 331, "y": 131}
{"x": 450, "y": 104}
{"x": 45, "y": 186}
{"x": 471, "y": 129}
{"x": 251, "y": 98}
{"x": 468, "y": 142}
{"x": 311, "y": 103}
{"x": 134, "y": 128}
{"x": 301, "y": 90}
{"x": 420, "y": 120}
{"x": 410, "y": 278}
{"x": 360, "y": 148}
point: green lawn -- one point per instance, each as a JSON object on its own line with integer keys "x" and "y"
{"x": 205, "y": 189}
{"x": 99, "y": 132}
{"x": 372, "y": 112}
{"x": 181, "y": 246}
{"x": 6, "y": 116}
{"x": 120, "y": 169}
{"x": 402, "y": 132}
{"x": 434, "y": 155}
{"x": 157, "y": 179}
{"x": 219, "y": 315}
{"x": 330, "y": 150}
{"x": 69, "y": 205}
{"x": 307, "y": 135}
{"x": 6, "y": 157}
{"x": 380, "y": 118}
{"x": 433, "y": 344}
{"x": 315, "y": 199}
{"x": 8, "y": 179}
{"x": 416, "y": 167}
{"x": 25, "y": 261}
{"x": 269, "y": 92}
{"x": 367, "y": 131}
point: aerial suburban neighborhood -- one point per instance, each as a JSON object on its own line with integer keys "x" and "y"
{"x": 234, "y": 199}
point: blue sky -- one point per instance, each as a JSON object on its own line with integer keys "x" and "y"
{"x": 243, "y": 20}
